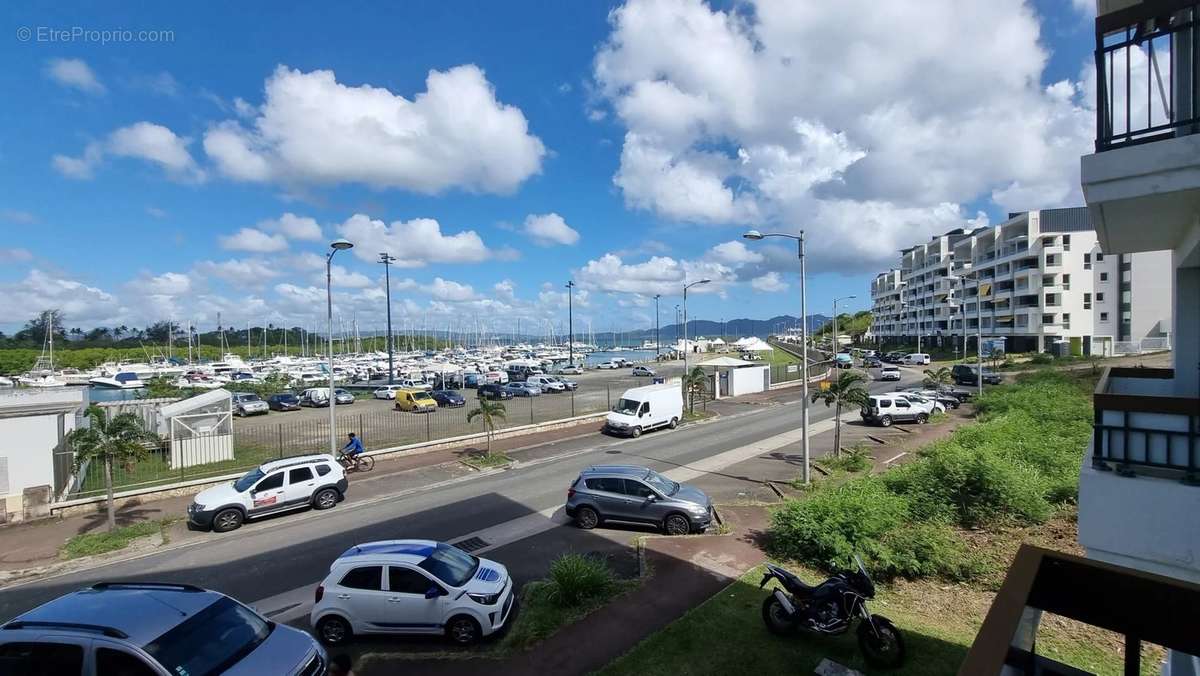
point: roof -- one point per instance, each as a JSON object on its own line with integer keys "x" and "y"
{"x": 202, "y": 400}
{"x": 295, "y": 460}
{"x": 142, "y": 612}
{"x": 726, "y": 361}
{"x": 625, "y": 470}
{"x": 409, "y": 551}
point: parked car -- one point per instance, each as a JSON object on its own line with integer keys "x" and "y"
{"x": 948, "y": 401}
{"x": 967, "y": 375}
{"x": 931, "y": 405}
{"x": 546, "y": 383}
{"x": 640, "y": 370}
{"x": 893, "y": 357}
{"x": 569, "y": 370}
{"x": 412, "y": 587}
{"x": 386, "y": 392}
{"x": 494, "y": 391}
{"x": 248, "y": 403}
{"x": 885, "y": 409}
{"x": 144, "y": 628}
{"x": 523, "y": 390}
{"x": 344, "y": 397}
{"x": 521, "y": 373}
{"x": 284, "y": 401}
{"x": 645, "y": 408}
{"x": 871, "y": 362}
{"x": 608, "y": 365}
{"x": 960, "y": 394}
{"x": 889, "y": 373}
{"x": 415, "y": 401}
{"x": 316, "y": 481}
{"x": 448, "y": 398}
{"x": 843, "y": 360}
{"x": 633, "y": 494}
{"x": 472, "y": 379}
{"x": 315, "y": 396}
{"x": 915, "y": 359}
{"x": 568, "y": 385}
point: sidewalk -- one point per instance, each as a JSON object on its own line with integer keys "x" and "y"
{"x": 35, "y": 544}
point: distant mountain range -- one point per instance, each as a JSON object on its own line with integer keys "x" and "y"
{"x": 734, "y": 328}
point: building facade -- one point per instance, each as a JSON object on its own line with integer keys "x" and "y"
{"x": 1040, "y": 280}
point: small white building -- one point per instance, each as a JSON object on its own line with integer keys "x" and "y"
{"x": 34, "y": 461}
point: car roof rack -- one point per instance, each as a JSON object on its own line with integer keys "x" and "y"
{"x": 110, "y": 632}
{"x": 99, "y": 586}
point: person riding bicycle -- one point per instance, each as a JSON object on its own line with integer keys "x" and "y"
{"x": 352, "y": 449}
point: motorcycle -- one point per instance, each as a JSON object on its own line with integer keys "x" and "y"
{"x": 829, "y": 609}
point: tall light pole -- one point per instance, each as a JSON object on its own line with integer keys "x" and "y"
{"x": 686, "y": 348}
{"x": 835, "y": 333}
{"x": 387, "y": 260}
{"x": 756, "y": 235}
{"x": 334, "y": 247}
{"x": 571, "y": 321}
{"x": 657, "y": 345}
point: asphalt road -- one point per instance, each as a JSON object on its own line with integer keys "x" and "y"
{"x": 275, "y": 564}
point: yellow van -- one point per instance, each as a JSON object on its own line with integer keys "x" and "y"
{"x": 415, "y": 401}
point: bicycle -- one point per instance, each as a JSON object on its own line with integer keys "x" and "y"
{"x": 357, "y": 463}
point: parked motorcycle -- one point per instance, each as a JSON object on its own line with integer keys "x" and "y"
{"x": 829, "y": 609}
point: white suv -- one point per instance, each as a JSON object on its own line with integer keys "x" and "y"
{"x": 412, "y": 587}
{"x": 316, "y": 481}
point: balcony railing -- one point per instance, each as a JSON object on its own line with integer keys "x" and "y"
{"x": 1145, "y": 73}
{"x": 1140, "y": 423}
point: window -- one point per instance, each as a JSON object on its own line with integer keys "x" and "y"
{"x": 1099, "y": 257}
{"x": 450, "y": 565}
{"x": 322, "y": 470}
{"x": 1099, "y": 298}
{"x": 1087, "y": 301}
{"x": 637, "y": 489}
{"x": 644, "y": 409}
{"x": 1103, "y": 316}
{"x": 1087, "y": 261}
{"x": 1066, "y": 242}
{"x": 109, "y": 661}
{"x": 606, "y": 484}
{"x": 1126, "y": 317}
{"x": 1104, "y": 276}
{"x": 41, "y": 658}
{"x": 300, "y": 475}
{"x": 407, "y": 581}
{"x": 1126, "y": 297}
{"x": 900, "y": 403}
{"x": 273, "y": 481}
{"x": 1066, "y": 317}
{"x": 210, "y": 640}
{"x": 366, "y": 577}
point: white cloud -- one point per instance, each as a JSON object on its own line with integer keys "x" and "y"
{"x": 80, "y": 303}
{"x": 658, "y": 275}
{"x": 143, "y": 140}
{"x": 763, "y": 115}
{"x": 252, "y": 272}
{"x": 340, "y": 276}
{"x": 446, "y": 290}
{"x": 251, "y": 239}
{"x": 414, "y": 243}
{"x": 549, "y": 229}
{"x": 15, "y": 255}
{"x": 769, "y": 283}
{"x": 156, "y": 212}
{"x": 79, "y": 168}
{"x": 166, "y": 284}
{"x": 293, "y": 227}
{"x": 74, "y": 73}
{"x": 313, "y": 129}
{"x": 505, "y": 290}
{"x": 734, "y": 253}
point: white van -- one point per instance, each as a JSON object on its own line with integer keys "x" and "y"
{"x": 645, "y": 408}
{"x": 315, "y": 396}
{"x": 915, "y": 359}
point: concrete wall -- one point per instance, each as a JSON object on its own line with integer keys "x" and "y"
{"x": 1186, "y": 335}
{"x": 747, "y": 380}
{"x": 1150, "y": 300}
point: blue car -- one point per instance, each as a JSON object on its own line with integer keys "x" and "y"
{"x": 448, "y": 398}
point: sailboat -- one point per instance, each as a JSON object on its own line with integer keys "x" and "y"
{"x": 42, "y": 374}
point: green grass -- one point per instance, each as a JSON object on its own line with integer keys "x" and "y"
{"x": 486, "y": 461}
{"x": 90, "y": 544}
{"x": 540, "y": 617}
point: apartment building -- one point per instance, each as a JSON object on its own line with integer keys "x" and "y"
{"x": 1046, "y": 285}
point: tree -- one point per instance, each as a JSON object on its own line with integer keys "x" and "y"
{"x": 695, "y": 382}
{"x": 121, "y": 439}
{"x": 847, "y": 390}
{"x": 489, "y": 411}
{"x": 34, "y": 330}
{"x": 937, "y": 377}
{"x": 159, "y": 332}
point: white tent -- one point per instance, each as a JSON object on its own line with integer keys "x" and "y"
{"x": 726, "y": 362}
{"x": 754, "y": 344}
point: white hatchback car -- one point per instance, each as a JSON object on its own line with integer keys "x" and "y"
{"x": 412, "y": 587}
{"x": 316, "y": 481}
{"x": 387, "y": 391}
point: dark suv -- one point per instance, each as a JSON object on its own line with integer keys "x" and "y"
{"x": 966, "y": 375}
{"x": 494, "y": 391}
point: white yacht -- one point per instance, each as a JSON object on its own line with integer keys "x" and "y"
{"x": 124, "y": 380}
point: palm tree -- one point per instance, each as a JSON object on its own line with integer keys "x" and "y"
{"x": 695, "y": 382}
{"x": 847, "y": 390}
{"x": 121, "y": 439}
{"x": 937, "y": 377}
{"x": 490, "y": 412}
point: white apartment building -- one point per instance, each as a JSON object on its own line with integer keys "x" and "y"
{"x": 1047, "y": 285}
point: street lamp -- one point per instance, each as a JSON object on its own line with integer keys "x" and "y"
{"x": 387, "y": 260}
{"x": 657, "y": 345}
{"x": 686, "y": 348}
{"x": 334, "y": 247}
{"x": 756, "y": 235}
{"x": 835, "y": 333}
{"x": 570, "y": 321}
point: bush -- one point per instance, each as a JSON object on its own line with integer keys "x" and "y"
{"x": 575, "y": 578}
{"x": 855, "y": 459}
{"x": 1042, "y": 358}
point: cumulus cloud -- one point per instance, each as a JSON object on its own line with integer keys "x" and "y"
{"x": 414, "y": 243}
{"x": 252, "y": 239}
{"x": 143, "y": 140}
{"x": 658, "y": 275}
{"x": 312, "y": 129}
{"x": 765, "y": 116}
{"x": 734, "y": 253}
{"x": 769, "y": 283}
{"x": 15, "y": 255}
{"x": 81, "y": 303}
{"x": 74, "y": 73}
{"x": 549, "y": 229}
{"x": 293, "y": 227}
{"x": 166, "y": 284}
{"x": 447, "y": 290}
{"x": 505, "y": 290}
{"x": 251, "y": 272}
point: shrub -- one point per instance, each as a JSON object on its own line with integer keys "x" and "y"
{"x": 833, "y": 524}
{"x": 1042, "y": 358}
{"x": 855, "y": 459}
{"x": 575, "y": 578}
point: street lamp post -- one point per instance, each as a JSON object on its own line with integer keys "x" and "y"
{"x": 387, "y": 260}
{"x": 571, "y": 321}
{"x": 657, "y": 345}
{"x": 686, "y": 348}
{"x": 835, "y": 333}
{"x": 334, "y": 247}
{"x": 756, "y": 235}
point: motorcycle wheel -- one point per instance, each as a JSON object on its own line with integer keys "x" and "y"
{"x": 776, "y": 618}
{"x": 883, "y": 646}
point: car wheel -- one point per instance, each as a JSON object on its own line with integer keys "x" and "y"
{"x": 636, "y": 432}
{"x": 325, "y": 498}
{"x": 674, "y": 423}
{"x": 922, "y": 418}
{"x": 885, "y": 421}
{"x": 586, "y": 518}
{"x": 334, "y": 630}
{"x": 677, "y": 524}
{"x": 462, "y": 630}
{"x": 227, "y": 520}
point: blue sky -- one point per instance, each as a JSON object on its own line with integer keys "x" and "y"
{"x": 622, "y": 145}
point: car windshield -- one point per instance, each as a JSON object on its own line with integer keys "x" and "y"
{"x": 287, "y": 398}
{"x": 249, "y": 479}
{"x": 661, "y": 483}
{"x": 626, "y": 406}
{"x": 250, "y": 397}
{"x": 212, "y": 640}
{"x": 451, "y": 565}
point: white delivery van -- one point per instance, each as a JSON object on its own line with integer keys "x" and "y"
{"x": 915, "y": 359}
{"x": 646, "y": 408}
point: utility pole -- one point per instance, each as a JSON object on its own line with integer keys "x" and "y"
{"x": 657, "y": 344}
{"x": 570, "y": 321}
{"x": 387, "y": 260}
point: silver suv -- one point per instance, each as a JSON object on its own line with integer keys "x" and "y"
{"x": 148, "y": 628}
{"x": 633, "y": 494}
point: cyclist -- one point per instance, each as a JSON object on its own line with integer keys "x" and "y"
{"x": 352, "y": 449}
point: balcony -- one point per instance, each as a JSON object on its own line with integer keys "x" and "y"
{"x": 1137, "y": 492}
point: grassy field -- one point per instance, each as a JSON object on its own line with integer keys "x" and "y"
{"x": 90, "y": 544}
